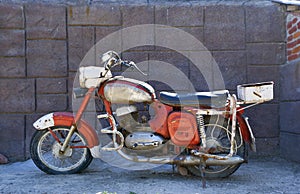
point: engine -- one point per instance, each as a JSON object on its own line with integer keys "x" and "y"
{"x": 127, "y": 117}
{"x": 138, "y": 136}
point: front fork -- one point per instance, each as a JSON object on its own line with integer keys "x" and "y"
{"x": 78, "y": 116}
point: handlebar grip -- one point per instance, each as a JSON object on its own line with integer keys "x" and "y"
{"x": 126, "y": 63}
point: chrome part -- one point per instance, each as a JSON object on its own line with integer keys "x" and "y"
{"x": 125, "y": 110}
{"x": 114, "y": 133}
{"x": 200, "y": 122}
{"x": 218, "y": 160}
{"x": 212, "y": 160}
{"x": 56, "y": 151}
{"x": 143, "y": 141}
{"x": 116, "y": 146}
{"x": 68, "y": 138}
{"x": 44, "y": 122}
{"x": 125, "y": 91}
{"x": 102, "y": 116}
{"x": 252, "y": 144}
{"x": 233, "y": 101}
{"x": 230, "y": 161}
{"x": 211, "y": 112}
{"x": 95, "y": 151}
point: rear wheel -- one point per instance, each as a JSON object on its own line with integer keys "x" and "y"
{"x": 45, "y": 151}
{"x": 218, "y": 135}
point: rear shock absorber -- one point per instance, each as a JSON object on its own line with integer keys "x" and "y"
{"x": 200, "y": 122}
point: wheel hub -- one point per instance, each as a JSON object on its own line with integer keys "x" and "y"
{"x": 58, "y": 154}
{"x": 212, "y": 145}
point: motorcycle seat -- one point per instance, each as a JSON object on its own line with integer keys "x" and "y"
{"x": 215, "y": 99}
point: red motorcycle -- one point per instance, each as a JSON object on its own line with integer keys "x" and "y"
{"x": 202, "y": 133}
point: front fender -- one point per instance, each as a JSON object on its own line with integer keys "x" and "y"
{"x": 67, "y": 119}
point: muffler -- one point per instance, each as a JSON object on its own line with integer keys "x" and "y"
{"x": 186, "y": 160}
{"x": 194, "y": 160}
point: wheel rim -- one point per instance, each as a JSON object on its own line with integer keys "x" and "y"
{"x": 48, "y": 151}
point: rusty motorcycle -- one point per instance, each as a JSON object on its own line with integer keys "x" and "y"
{"x": 203, "y": 133}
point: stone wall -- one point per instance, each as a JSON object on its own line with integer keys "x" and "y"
{"x": 43, "y": 44}
{"x": 290, "y": 91}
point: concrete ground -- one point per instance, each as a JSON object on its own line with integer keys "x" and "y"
{"x": 260, "y": 175}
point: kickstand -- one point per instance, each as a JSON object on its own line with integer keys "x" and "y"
{"x": 202, "y": 170}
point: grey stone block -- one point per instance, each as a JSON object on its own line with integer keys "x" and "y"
{"x": 30, "y": 119}
{"x": 107, "y": 38}
{"x": 137, "y": 57}
{"x": 11, "y": 16}
{"x": 17, "y": 95}
{"x": 290, "y": 81}
{"x": 197, "y": 79}
{"x": 232, "y": 65}
{"x": 289, "y": 117}
{"x": 45, "y": 21}
{"x": 202, "y": 67}
{"x": 266, "y": 53}
{"x": 94, "y": 15}
{"x": 224, "y": 31}
{"x": 3, "y": 159}
{"x": 179, "y": 15}
{"x": 170, "y": 69}
{"x": 137, "y": 14}
{"x": 51, "y": 85}
{"x": 81, "y": 40}
{"x": 46, "y": 58}
{"x": 179, "y": 38}
{"x": 264, "y": 120}
{"x": 289, "y": 146}
{"x": 12, "y": 136}
{"x": 266, "y": 147}
{"x": 51, "y": 102}
{"x": 12, "y": 67}
{"x": 265, "y": 23}
{"x": 12, "y": 42}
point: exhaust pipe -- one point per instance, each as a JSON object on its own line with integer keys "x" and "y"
{"x": 185, "y": 160}
{"x": 193, "y": 160}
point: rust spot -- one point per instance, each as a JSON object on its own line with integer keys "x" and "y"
{"x": 70, "y": 11}
{"x": 87, "y": 10}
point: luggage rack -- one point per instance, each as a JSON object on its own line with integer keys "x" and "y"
{"x": 254, "y": 93}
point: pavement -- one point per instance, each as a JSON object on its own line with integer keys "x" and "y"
{"x": 260, "y": 175}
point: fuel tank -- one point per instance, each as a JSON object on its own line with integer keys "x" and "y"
{"x": 122, "y": 90}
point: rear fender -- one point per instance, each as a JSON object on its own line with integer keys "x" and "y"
{"x": 246, "y": 131}
{"x": 67, "y": 119}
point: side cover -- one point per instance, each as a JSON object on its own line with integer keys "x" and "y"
{"x": 183, "y": 128}
{"x": 67, "y": 119}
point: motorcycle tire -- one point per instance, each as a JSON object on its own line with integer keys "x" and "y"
{"x": 44, "y": 151}
{"x": 222, "y": 138}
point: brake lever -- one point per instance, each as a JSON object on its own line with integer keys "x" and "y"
{"x": 132, "y": 64}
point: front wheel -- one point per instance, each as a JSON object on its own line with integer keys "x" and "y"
{"x": 45, "y": 151}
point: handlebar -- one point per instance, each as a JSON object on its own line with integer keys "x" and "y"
{"x": 112, "y": 59}
{"x": 132, "y": 64}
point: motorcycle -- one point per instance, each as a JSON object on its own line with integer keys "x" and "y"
{"x": 203, "y": 133}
